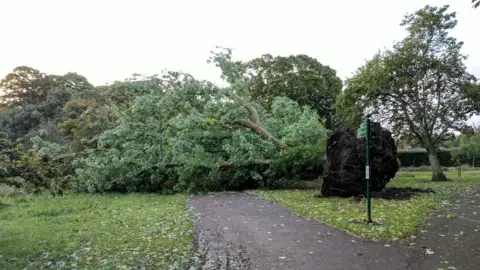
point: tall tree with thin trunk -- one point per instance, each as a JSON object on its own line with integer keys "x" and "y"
{"x": 420, "y": 87}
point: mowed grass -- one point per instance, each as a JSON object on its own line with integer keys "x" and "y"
{"x": 395, "y": 218}
{"x": 94, "y": 232}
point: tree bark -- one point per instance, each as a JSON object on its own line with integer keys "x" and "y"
{"x": 437, "y": 173}
{"x": 254, "y": 122}
{"x": 264, "y": 133}
{"x": 254, "y": 117}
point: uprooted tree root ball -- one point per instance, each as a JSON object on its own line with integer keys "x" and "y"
{"x": 344, "y": 173}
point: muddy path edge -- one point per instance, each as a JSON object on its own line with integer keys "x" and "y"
{"x": 258, "y": 234}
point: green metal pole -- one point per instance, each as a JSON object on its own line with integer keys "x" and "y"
{"x": 367, "y": 170}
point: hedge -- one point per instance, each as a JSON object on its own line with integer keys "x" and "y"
{"x": 419, "y": 157}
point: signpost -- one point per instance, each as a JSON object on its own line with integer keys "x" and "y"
{"x": 366, "y": 130}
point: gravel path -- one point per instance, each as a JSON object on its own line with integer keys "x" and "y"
{"x": 238, "y": 231}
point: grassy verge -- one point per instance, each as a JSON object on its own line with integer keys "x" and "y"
{"x": 94, "y": 232}
{"x": 396, "y": 218}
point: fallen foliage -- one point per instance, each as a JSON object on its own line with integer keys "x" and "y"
{"x": 396, "y": 218}
{"x": 94, "y": 232}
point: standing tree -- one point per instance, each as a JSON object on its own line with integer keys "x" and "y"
{"x": 470, "y": 147}
{"x": 298, "y": 77}
{"x": 467, "y": 150}
{"x": 421, "y": 86}
{"x": 24, "y": 85}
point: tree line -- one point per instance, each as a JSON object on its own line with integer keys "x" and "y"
{"x": 173, "y": 132}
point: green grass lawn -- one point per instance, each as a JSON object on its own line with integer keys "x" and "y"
{"x": 94, "y": 232}
{"x": 396, "y": 218}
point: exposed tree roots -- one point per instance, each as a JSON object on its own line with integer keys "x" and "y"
{"x": 344, "y": 173}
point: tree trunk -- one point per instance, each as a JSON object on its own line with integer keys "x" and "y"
{"x": 264, "y": 133}
{"x": 437, "y": 173}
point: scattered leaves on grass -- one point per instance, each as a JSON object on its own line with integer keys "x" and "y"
{"x": 396, "y": 219}
{"x": 103, "y": 232}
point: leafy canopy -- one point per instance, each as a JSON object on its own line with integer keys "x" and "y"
{"x": 192, "y": 130}
{"x": 421, "y": 87}
{"x": 298, "y": 77}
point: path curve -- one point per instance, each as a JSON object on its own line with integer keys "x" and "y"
{"x": 239, "y": 231}
{"x": 451, "y": 234}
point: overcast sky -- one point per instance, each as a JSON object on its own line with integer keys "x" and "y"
{"x": 109, "y": 40}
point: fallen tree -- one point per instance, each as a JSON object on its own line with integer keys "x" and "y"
{"x": 190, "y": 135}
{"x": 344, "y": 173}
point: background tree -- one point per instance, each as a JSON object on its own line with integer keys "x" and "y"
{"x": 298, "y": 77}
{"x": 32, "y": 107}
{"x": 5, "y": 146}
{"x": 471, "y": 129}
{"x": 24, "y": 85}
{"x": 476, "y": 3}
{"x": 421, "y": 86}
{"x": 33, "y": 101}
{"x": 469, "y": 147}
{"x": 348, "y": 111}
